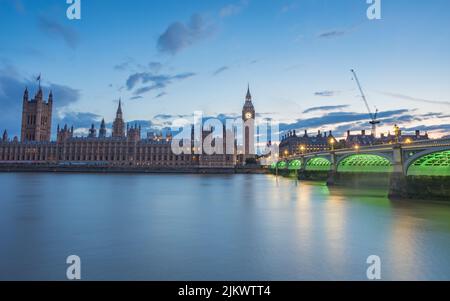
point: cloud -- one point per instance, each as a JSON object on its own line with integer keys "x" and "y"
{"x": 155, "y": 66}
{"x": 158, "y": 81}
{"x": 125, "y": 65}
{"x": 406, "y": 97}
{"x": 435, "y": 127}
{"x": 233, "y": 9}
{"x": 78, "y": 119}
{"x": 288, "y": 7}
{"x": 220, "y": 70}
{"x": 325, "y": 108}
{"x": 334, "y": 118}
{"x": 57, "y": 30}
{"x": 179, "y": 36}
{"x": 326, "y": 93}
{"x": 162, "y": 94}
{"x": 149, "y": 88}
{"x": 136, "y": 97}
{"x": 332, "y": 34}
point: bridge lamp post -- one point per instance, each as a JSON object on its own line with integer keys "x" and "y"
{"x": 356, "y": 147}
{"x": 302, "y": 149}
{"x": 332, "y": 144}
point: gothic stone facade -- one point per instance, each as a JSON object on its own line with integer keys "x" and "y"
{"x": 124, "y": 148}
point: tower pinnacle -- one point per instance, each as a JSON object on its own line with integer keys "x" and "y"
{"x": 248, "y": 97}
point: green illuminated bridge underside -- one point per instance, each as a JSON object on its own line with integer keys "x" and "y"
{"x": 432, "y": 164}
{"x": 295, "y": 165}
{"x": 365, "y": 163}
{"x": 436, "y": 164}
{"x": 318, "y": 164}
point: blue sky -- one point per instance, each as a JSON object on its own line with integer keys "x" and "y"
{"x": 174, "y": 57}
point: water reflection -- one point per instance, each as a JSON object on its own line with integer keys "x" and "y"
{"x": 204, "y": 227}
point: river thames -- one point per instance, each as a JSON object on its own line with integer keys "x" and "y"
{"x": 213, "y": 227}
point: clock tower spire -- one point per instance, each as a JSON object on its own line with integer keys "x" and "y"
{"x": 248, "y": 118}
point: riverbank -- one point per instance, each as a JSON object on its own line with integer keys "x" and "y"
{"x": 129, "y": 169}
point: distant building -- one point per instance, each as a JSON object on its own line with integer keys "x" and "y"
{"x": 124, "y": 147}
{"x": 366, "y": 140}
{"x": 293, "y": 144}
{"x": 361, "y": 139}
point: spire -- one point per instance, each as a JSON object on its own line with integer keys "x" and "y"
{"x": 102, "y": 132}
{"x": 39, "y": 80}
{"x": 50, "y": 96}
{"x": 5, "y": 136}
{"x": 119, "y": 109}
{"x": 248, "y": 97}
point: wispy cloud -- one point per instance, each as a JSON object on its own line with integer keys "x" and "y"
{"x": 58, "y": 30}
{"x": 233, "y": 9}
{"x": 326, "y": 93}
{"x": 332, "y": 34}
{"x": 162, "y": 94}
{"x": 220, "y": 70}
{"x": 157, "y": 81}
{"x": 406, "y": 97}
{"x": 179, "y": 36}
{"x": 334, "y": 118}
{"x": 325, "y": 108}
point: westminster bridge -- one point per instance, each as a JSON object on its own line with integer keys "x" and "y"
{"x": 419, "y": 168}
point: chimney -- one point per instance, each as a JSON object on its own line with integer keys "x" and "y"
{"x": 417, "y": 133}
{"x": 363, "y": 132}
{"x": 348, "y": 133}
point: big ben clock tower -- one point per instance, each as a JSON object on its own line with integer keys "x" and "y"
{"x": 248, "y": 118}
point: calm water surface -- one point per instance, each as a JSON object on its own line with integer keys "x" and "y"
{"x": 208, "y": 227}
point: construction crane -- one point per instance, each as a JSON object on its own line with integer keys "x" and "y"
{"x": 373, "y": 117}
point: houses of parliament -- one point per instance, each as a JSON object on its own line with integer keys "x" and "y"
{"x": 124, "y": 147}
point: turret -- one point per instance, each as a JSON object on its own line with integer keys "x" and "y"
{"x": 5, "y": 136}
{"x": 39, "y": 95}
{"x": 102, "y": 132}
{"x": 25, "y": 95}
{"x": 50, "y": 97}
{"x": 92, "y": 132}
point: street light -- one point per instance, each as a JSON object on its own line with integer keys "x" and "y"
{"x": 408, "y": 141}
{"x": 332, "y": 141}
{"x": 356, "y": 147}
{"x": 302, "y": 149}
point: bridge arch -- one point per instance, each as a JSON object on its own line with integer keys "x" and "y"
{"x": 282, "y": 165}
{"x": 318, "y": 164}
{"x": 429, "y": 163}
{"x": 295, "y": 165}
{"x": 365, "y": 163}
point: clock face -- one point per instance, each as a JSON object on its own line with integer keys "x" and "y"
{"x": 248, "y": 115}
